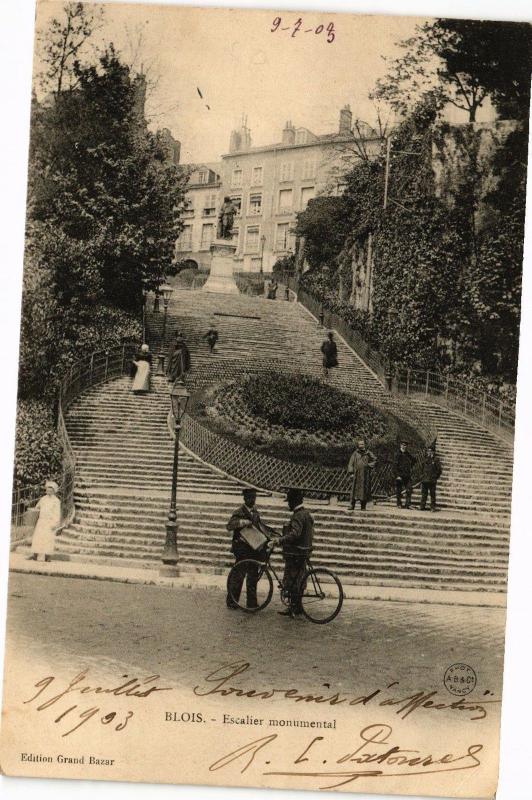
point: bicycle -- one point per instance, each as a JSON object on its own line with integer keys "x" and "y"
{"x": 319, "y": 590}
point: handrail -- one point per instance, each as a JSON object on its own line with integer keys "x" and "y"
{"x": 371, "y": 357}
{"x": 94, "y": 369}
{"x": 462, "y": 398}
{"x": 480, "y": 406}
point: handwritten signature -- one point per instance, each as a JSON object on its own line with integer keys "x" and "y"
{"x": 131, "y": 688}
{"x": 393, "y": 760}
{"x": 217, "y": 683}
{"x": 297, "y": 26}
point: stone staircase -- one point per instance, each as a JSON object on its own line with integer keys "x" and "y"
{"x": 124, "y": 455}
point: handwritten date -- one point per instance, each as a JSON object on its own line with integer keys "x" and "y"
{"x": 131, "y": 688}
{"x": 298, "y": 26}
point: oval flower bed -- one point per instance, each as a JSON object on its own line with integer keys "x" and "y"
{"x": 298, "y": 418}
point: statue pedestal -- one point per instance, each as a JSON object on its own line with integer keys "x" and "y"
{"x": 221, "y": 277}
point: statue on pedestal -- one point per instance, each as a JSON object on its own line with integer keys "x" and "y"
{"x": 226, "y": 218}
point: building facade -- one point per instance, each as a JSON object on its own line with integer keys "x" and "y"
{"x": 268, "y": 185}
{"x": 200, "y": 217}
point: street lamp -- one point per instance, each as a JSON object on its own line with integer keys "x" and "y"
{"x": 179, "y": 399}
{"x": 166, "y": 292}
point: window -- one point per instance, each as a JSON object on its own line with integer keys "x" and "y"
{"x": 207, "y": 233}
{"x": 236, "y": 178}
{"x": 236, "y": 200}
{"x": 256, "y": 176}
{"x": 285, "y": 200}
{"x": 252, "y": 239}
{"x": 255, "y": 205}
{"x": 185, "y": 240}
{"x": 301, "y": 137}
{"x": 189, "y": 208}
{"x": 307, "y": 193}
{"x": 282, "y": 236}
{"x": 309, "y": 170}
{"x": 203, "y": 177}
{"x": 287, "y": 171}
{"x": 209, "y": 209}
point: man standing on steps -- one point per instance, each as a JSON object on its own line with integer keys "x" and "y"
{"x": 360, "y": 465}
{"x": 403, "y": 465}
{"x": 245, "y": 516}
{"x": 297, "y": 538}
{"x": 430, "y": 472}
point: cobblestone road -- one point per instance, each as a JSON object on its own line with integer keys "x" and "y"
{"x": 181, "y": 632}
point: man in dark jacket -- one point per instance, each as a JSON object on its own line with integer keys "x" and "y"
{"x": 297, "y": 538}
{"x": 245, "y": 516}
{"x": 403, "y": 465}
{"x": 330, "y": 354}
{"x": 430, "y": 472}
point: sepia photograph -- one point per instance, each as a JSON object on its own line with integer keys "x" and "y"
{"x": 264, "y": 446}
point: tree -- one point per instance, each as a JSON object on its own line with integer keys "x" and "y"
{"x": 462, "y": 62}
{"x": 61, "y": 45}
{"x": 422, "y": 70}
{"x": 323, "y": 225}
{"x": 497, "y": 54}
{"x": 104, "y": 183}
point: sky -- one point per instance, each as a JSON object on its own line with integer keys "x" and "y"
{"x": 243, "y": 68}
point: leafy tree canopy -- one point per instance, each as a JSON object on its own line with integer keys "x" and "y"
{"x": 462, "y": 62}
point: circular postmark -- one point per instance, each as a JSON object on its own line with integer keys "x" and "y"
{"x": 460, "y": 679}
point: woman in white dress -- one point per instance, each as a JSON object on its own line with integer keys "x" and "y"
{"x": 49, "y": 506}
{"x": 141, "y": 381}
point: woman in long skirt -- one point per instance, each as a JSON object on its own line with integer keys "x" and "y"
{"x": 49, "y": 506}
{"x": 141, "y": 381}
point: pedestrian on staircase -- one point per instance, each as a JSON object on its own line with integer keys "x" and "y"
{"x": 360, "y": 465}
{"x": 212, "y": 337}
{"x": 178, "y": 358}
{"x": 330, "y": 354}
{"x": 142, "y": 364}
{"x": 243, "y": 520}
{"x": 430, "y": 472}
{"x": 403, "y": 466}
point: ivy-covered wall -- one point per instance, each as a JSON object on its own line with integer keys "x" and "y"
{"x": 434, "y": 279}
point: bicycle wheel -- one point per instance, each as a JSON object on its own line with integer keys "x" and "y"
{"x": 250, "y": 585}
{"x": 321, "y": 595}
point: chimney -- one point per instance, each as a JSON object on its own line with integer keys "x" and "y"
{"x": 241, "y": 138}
{"x": 289, "y": 133}
{"x": 346, "y": 120}
{"x": 234, "y": 142}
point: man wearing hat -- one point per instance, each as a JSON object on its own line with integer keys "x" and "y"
{"x": 430, "y": 472}
{"x": 403, "y": 465}
{"x": 297, "y": 538}
{"x": 245, "y": 516}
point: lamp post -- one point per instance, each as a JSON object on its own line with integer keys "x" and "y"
{"x": 179, "y": 399}
{"x": 262, "y": 243}
{"x": 166, "y": 292}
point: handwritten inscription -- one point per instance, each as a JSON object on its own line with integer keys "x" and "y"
{"x": 132, "y": 688}
{"x": 375, "y": 747}
{"x": 328, "y": 31}
{"x": 221, "y": 682}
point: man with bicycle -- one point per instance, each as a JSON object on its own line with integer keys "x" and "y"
{"x": 245, "y": 517}
{"x": 296, "y": 540}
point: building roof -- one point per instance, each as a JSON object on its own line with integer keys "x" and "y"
{"x": 327, "y": 138}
